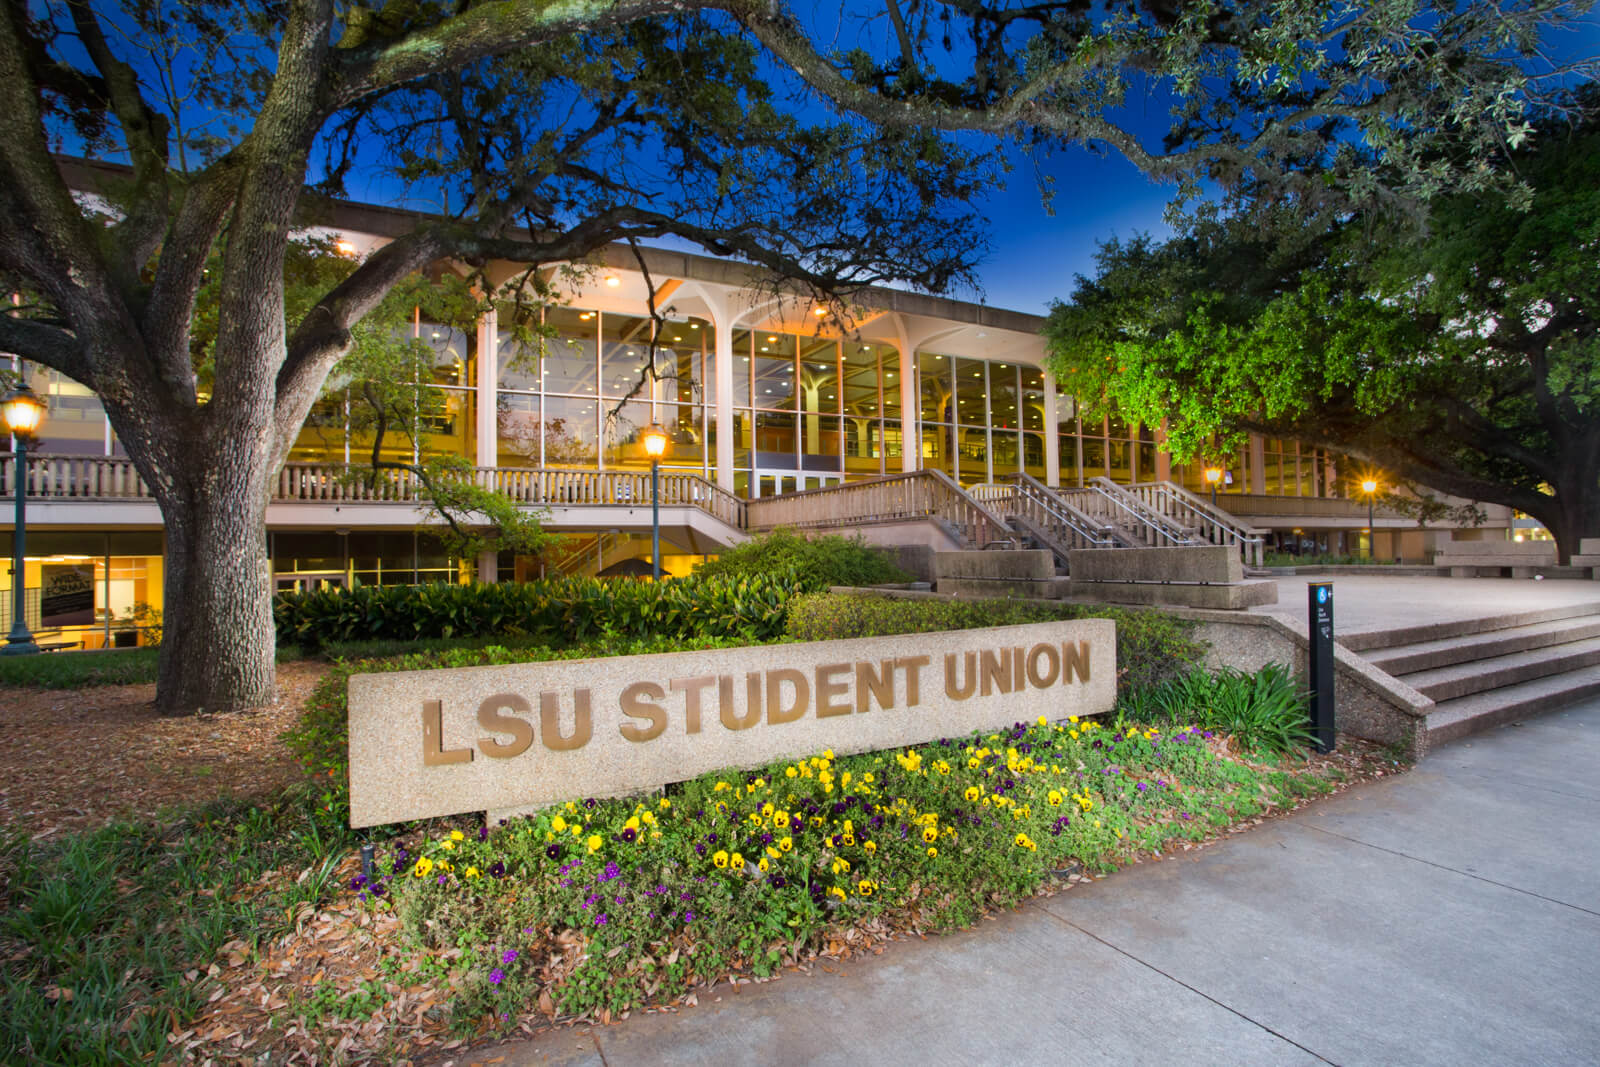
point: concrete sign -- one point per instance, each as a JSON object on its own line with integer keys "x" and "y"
{"x": 513, "y": 738}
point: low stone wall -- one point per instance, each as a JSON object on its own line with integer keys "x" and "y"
{"x": 1206, "y": 563}
{"x": 1367, "y": 702}
{"x": 1468, "y": 559}
{"x": 1231, "y": 596}
{"x": 1028, "y": 573}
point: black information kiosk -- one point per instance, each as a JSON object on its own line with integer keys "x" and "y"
{"x": 1320, "y": 600}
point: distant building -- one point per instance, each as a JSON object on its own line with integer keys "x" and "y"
{"x": 761, "y": 395}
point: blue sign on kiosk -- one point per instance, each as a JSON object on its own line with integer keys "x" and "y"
{"x": 1320, "y": 600}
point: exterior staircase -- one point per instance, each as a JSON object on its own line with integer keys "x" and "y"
{"x": 1482, "y": 673}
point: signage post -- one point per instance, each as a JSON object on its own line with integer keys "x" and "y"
{"x": 1320, "y": 602}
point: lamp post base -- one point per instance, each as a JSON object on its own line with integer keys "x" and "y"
{"x": 19, "y": 644}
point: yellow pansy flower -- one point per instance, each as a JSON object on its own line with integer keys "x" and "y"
{"x": 594, "y": 842}
{"x": 558, "y": 824}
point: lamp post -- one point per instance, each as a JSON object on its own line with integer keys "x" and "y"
{"x": 1370, "y": 487}
{"x": 655, "y": 446}
{"x": 22, "y": 411}
{"x": 1213, "y": 475}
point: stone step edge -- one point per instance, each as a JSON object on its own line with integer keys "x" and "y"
{"x": 1448, "y": 652}
{"x": 1525, "y": 667}
{"x": 1364, "y": 640}
{"x": 1468, "y": 715}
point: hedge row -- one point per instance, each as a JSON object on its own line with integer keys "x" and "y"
{"x": 558, "y": 612}
{"x": 1151, "y": 647}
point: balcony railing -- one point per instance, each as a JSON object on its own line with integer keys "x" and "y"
{"x": 920, "y": 494}
{"x": 100, "y": 478}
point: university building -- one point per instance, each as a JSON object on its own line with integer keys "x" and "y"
{"x": 900, "y": 410}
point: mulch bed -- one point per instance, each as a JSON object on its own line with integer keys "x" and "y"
{"x": 77, "y": 759}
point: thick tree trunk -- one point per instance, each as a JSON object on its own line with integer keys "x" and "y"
{"x": 1573, "y": 516}
{"x": 218, "y": 641}
{"x": 218, "y": 644}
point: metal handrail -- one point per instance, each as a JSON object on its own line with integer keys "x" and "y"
{"x": 1223, "y": 527}
{"x": 1058, "y": 510}
{"x": 1130, "y": 503}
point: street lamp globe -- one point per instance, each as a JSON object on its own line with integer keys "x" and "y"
{"x": 22, "y": 409}
{"x": 1369, "y": 486}
{"x": 655, "y": 442}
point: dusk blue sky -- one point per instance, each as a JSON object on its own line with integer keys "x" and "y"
{"x": 1036, "y": 253}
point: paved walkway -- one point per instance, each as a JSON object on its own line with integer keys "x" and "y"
{"x": 1363, "y": 603}
{"x": 1450, "y": 916}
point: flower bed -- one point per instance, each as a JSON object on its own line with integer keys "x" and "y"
{"x": 601, "y": 906}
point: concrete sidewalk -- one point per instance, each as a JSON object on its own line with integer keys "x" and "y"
{"x": 1449, "y": 916}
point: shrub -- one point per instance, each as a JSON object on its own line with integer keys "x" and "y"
{"x": 1150, "y": 646}
{"x": 816, "y": 562}
{"x": 557, "y": 612}
{"x": 1265, "y": 711}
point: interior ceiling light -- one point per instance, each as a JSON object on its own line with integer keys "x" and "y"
{"x": 819, "y": 312}
{"x": 612, "y": 281}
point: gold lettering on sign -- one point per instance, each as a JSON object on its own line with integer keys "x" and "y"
{"x": 434, "y": 754}
{"x": 691, "y": 687}
{"x": 1074, "y": 658}
{"x": 995, "y": 670}
{"x": 776, "y": 712}
{"x": 913, "y": 665}
{"x": 829, "y": 687}
{"x": 728, "y": 713}
{"x": 490, "y": 717}
{"x": 953, "y": 688}
{"x": 550, "y": 721}
{"x": 639, "y": 701}
{"x": 874, "y": 685}
{"x": 1043, "y": 678}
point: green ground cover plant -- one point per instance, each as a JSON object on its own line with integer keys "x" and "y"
{"x": 1322, "y": 559}
{"x": 1151, "y": 646}
{"x": 816, "y": 562}
{"x": 106, "y": 935}
{"x": 84, "y": 670}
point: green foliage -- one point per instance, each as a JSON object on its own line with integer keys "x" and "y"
{"x": 1265, "y": 711}
{"x": 83, "y": 670}
{"x": 1151, "y": 646}
{"x": 97, "y": 929}
{"x": 646, "y": 897}
{"x": 1461, "y": 356}
{"x": 816, "y": 562}
{"x": 556, "y": 611}
{"x": 77, "y": 670}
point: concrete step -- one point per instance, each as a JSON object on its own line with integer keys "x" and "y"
{"x": 1481, "y": 711}
{"x": 1408, "y": 659}
{"x": 1411, "y": 635}
{"x": 1497, "y": 672}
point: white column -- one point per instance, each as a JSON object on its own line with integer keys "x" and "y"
{"x": 724, "y": 414}
{"x": 488, "y": 376}
{"x": 910, "y": 411}
{"x": 488, "y": 566}
{"x": 1052, "y": 441}
{"x": 1258, "y": 463}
